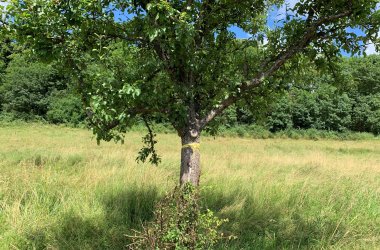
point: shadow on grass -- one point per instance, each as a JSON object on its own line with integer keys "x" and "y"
{"x": 270, "y": 226}
{"x": 119, "y": 213}
{"x": 256, "y": 227}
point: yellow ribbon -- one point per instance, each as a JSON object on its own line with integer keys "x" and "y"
{"x": 193, "y": 146}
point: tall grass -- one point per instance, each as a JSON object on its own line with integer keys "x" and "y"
{"x": 59, "y": 190}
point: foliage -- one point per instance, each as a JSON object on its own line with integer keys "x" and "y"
{"x": 281, "y": 116}
{"x": 65, "y": 107}
{"x": 179, "y": 223}
{"x": 329, "y": 102}
{"x": 28, "y": 85}
{"x": 366, "y": 114}
{"x": 149, "y": 147}
{"x": 323, "y": 109}
{"x": 364, "y": 74}
{"x": 6, "y": 50}
{"x": 260, "y": 132}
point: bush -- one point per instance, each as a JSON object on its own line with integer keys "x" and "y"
{"x": 179, "y": 223}
{"x": 27, "y": 87}
{"x": 11, "y": 119}
{"x": 259, "y": 132}
{"x": 366, "y": 114}
{"x": 322, "y": 109}
{"x": 281, "y": 115}
{"x": 65, "y": 107}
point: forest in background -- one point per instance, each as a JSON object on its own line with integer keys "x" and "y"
{"x": 339, "y": 96}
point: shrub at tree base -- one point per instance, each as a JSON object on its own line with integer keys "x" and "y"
{"x": 179, "y": 223}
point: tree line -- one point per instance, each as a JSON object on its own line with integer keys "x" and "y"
{"x": 33, "y": 90}
{"x": 347, "y": 98}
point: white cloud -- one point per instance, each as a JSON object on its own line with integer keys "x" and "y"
{"x": 371, "y": 49}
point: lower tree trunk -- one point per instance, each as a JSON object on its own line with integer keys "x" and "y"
{"x": 190, "y": 160}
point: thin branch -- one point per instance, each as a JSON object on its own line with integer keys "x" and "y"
{"x": 149, "y": 149}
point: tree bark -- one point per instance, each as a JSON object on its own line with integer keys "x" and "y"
{"x": 190, "y": 158}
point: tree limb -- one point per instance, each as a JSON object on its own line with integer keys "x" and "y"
{"x": 309, "y": 34}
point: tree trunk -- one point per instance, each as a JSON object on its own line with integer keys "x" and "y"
{"x": 190, "y": 158}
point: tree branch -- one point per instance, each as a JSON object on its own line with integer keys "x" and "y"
{"x": 309, "y": 34}
{"x": 149, "y": 148}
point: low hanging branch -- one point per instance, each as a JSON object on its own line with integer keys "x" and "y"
{"x": 149, "y": 148}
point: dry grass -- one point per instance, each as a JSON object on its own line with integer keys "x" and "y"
{"x": 59, "y": 190}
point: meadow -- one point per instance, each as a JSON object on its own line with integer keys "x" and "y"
{"x": 60, "y": 190}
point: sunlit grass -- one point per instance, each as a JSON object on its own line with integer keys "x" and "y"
{"x": 59, "y": 190}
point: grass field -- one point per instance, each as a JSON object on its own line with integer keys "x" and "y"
{"x": 59, "y": 190}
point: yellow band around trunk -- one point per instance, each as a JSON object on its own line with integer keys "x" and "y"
{"x": 193, "y": 146}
